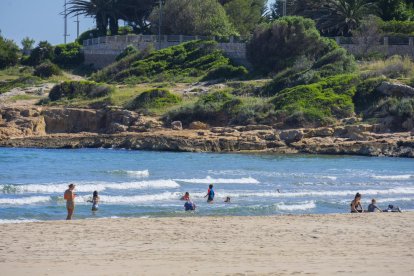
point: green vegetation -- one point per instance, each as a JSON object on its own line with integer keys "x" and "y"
{"x": 225, "y": 72}
{"x": 193, "y": 17}
{"x": 43, "y": 52}
{"x": 68, "y": 55}
{"x": 46, "y": 70}
{"x": 9, "y": 53}
{"x": 317, "y": 103}
{"x": 185, "y": 62}
{"x": 20, "y": 82}
{"x": 79, "y": 89}
{"x": 154, "y": 98}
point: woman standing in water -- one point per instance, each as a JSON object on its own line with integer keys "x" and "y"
{"x": 69, "y": 196}
{"x": 356, "y": 206}
{"x": 95, "y": 201}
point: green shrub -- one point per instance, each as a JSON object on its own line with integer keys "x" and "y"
{"x": 21, "y": 82}
{"x": 79, "y": 89}
{"x": 280, "y": 44}
{"x": 316, "y": 103}
{"x": 226, "y": 72}
{"x": 9, "y": 53}
{"x": 68, "y": 55}
{"x": 130, "y": 50}
{"x": 396, "y": 27}
{"x": 46, "y": 70}
{"x": 186, "y": 61}
{"x": 154, "y": 98}
{"x": 366, "y": 93}
{"x": 43, "y": 52}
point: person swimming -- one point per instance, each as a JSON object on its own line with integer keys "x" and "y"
{"x": 210, "y": 194}
{"x": 95, "y": 201}
{"x": 227, "y": 200}
{"x": 186, "y": 196}
{"x": 356, "y": 206}
{"x": 189, "y": 206}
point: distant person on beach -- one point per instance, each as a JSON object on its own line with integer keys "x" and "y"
{"x": 210, "y": 194}
{"x": 227, "y": 200}
{"x": 392, "y": 208}
{"x": 373, "y": 207}
{"x": 356, "y": 206}
{"x": 95, "y": 201}
{"x": 189, "y": 206}
{"x": 186, "y": 196}
{"x": 69, "y": 196}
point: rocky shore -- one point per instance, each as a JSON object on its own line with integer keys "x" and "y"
{"x": 115, "y": 128}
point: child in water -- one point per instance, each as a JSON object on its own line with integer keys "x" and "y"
{"x": 210, "y": 194}
{"x": 186, "y": 196}
{"x": 95, "y": 201}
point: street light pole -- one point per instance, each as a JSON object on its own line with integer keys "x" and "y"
{"x": 65, "y": 35}
{"x": 159, "y": 25}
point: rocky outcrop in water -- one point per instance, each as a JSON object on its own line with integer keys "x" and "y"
{"x": 114, "y": 128}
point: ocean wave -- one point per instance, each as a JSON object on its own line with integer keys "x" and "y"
{"x": 90, "y": 186}
{"x": 210, "y": 180}
{"x": 295, "y": 207}
{"x": 407, "y": 191}
{"x": 134, "y": 199}
{"x": 24, "y": 200}
{"x": 394, "y": 177}
{"x": 144, "y": 173}
{"x": 6, "y": 221}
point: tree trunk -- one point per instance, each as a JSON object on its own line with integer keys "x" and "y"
{"x": 113, "y": 25}
{"x": 101, "y": 24}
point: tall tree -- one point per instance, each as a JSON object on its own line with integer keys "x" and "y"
{"x": 245, "y": 14}
{"x": 193, "y": 17}
{"x": 27, "y": 44}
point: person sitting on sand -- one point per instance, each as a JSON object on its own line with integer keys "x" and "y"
{"x": 227, "y": 200}
{"x": 210, "y": 194}
{"x": 373, "y": 207}
{"x": 95, "y": 201}
{"x": 69, "y": 196}
{"x": 356, "y": 206}
{"x": 186, "y": 196}
{"x": 189, "y": 206}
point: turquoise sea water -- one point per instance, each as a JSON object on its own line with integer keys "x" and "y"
{"x": 142, "y": 184}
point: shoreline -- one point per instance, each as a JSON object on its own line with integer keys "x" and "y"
{"x": 260, "y": 245}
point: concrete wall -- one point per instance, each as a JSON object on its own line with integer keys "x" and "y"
{"x": 102, "y": 51}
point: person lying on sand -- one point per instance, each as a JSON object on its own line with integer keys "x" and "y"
{"x": 189, "y": 206}
{"x": 69, "y": 196}
{"x": 356, "y": 206}
{"x": 373, "y": 207}
{"x": 210, "y": 194}
{"x": 392, "y": 208}
{"x": 186, "y": 196}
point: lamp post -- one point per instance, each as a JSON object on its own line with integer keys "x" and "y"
{"x": 65, "y": 34}
{"x": 159, "y": 25}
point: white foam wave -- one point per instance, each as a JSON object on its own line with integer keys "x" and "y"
{"x": 24, "y": 200}
{"x": 210, "y": 180}
{"x": 406, "y": 191}
{"x": 144, "y": 173}
{"x": 296, "y": 207}
{"x": 394, "y": 177}
{"x": 6, "y": 221}
{"x": 90, "y": 186}
{"x": 134, "y": 199}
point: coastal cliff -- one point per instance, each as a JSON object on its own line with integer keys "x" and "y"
{"x": 116, "y": 128}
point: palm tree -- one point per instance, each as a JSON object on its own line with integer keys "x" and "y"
{"x": 345, "y": 15}
{"x": 104, "y": 11}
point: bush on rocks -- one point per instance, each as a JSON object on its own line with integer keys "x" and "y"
{"x": 79, "y": 89}
{"x": 46, "y": 70}
{"x": 154, "y": 98}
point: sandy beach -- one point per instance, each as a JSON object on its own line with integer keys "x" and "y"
{"x": 365, "y": 244}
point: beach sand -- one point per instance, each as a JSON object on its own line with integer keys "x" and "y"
{"x": 344, "y": 244}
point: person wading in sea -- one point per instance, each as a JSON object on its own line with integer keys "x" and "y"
{"x": 69, "y": 196}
